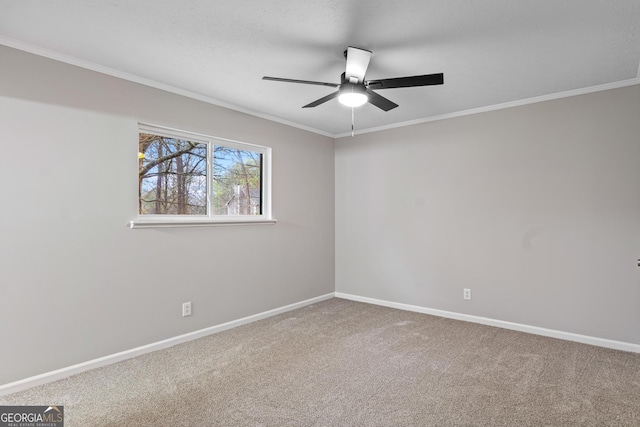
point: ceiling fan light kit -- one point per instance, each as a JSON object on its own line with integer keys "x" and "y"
{"x": 352, "y": 95}
{"x": 354, "y": 90}
{"x": 352, "y": 99}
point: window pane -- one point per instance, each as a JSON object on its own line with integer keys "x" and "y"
{"x": 237, "y": 181}
{"x": 172, "y": 176}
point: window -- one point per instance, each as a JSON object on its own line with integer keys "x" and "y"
{"x": 190, "y": 179}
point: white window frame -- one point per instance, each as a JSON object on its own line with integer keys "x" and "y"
{"x": 153, "y": 221}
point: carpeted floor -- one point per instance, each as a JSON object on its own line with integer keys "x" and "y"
{"x": 344, "y": 363}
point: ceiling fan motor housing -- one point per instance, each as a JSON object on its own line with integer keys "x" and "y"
{"x": 347, "y": 86}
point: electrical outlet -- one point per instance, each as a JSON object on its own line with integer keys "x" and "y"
{"x": 186, "y": 309}
{"x": 466, "y": 293}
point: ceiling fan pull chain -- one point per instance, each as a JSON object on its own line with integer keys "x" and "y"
{"x": 353, "y": 114}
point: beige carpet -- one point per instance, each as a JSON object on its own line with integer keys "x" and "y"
{"x": 343, "y": 363}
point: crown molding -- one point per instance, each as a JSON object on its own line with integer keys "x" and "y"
{"x": 68, "y": 59}
{"x": 511, "y": 104}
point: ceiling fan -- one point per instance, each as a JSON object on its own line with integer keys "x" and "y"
{"x": 354, "y": 90}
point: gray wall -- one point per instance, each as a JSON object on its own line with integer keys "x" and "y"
{"x": 535, "y": 208}
{"x": 75, "y": 282}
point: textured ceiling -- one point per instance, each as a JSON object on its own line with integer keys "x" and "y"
{"x": 491, "y": 52}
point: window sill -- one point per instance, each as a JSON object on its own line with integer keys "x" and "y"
{"x": 173, "y": 223}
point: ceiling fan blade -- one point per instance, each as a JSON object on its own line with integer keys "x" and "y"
{"x": 380, "y": 101}
{"x": 424, "y": 80}
{"x": 357, "y": 63}
{"x": 322, "y": 100}
{"x": 306, "y": 82}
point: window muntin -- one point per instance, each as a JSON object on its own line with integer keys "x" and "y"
{"x": 185, "y": 176}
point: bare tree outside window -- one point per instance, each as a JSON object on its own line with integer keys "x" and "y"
{"x": 172, "y": 178}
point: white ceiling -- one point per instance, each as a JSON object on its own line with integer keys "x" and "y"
{"x": 492, "y": 52}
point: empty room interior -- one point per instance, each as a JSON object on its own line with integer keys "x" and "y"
{"x": 199, "y": 226}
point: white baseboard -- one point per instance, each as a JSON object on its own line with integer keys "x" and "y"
{"x": 58, "y": 374}
{"x": 585, "y": 339}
